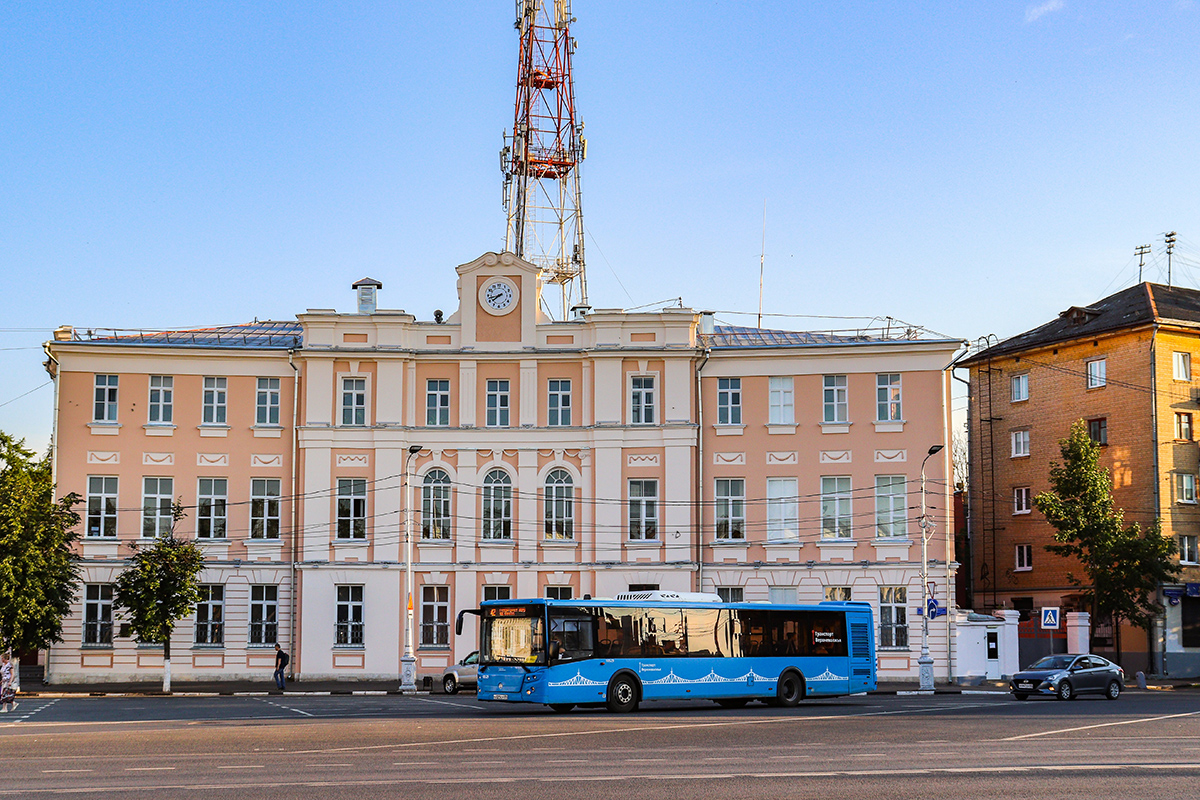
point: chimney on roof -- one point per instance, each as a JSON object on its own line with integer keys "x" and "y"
{"x": 366, "y": 294}
{"x": 64, "y": 333}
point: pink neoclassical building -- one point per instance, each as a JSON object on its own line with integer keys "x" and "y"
{"x": 609, "y": 452}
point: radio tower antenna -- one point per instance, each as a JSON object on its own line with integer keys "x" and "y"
{"x": 543, "y": 151}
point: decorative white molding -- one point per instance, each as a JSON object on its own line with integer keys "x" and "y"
{"x": 363, "y": 460}
{"x": 212, "y": 459}
{"x": 266, "y": 460}
{"x": 893, "y": 456}
{"x": 836, "y": 457}
{"x": 783, "y": 458}
{"x": 158, "y": 459}
{"x": 729, "y": 458}
{"x": 644, "y": 460}
{"x": 101, "y": 457}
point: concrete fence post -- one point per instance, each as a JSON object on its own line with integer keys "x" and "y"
{"x": 1079, "y": 632}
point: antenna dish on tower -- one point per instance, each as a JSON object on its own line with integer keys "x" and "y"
{"x": 543, "y": 151}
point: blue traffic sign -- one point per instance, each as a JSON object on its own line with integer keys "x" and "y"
{"x": 1050, "y": 617}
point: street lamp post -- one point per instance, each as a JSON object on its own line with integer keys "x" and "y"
{"x": 408, "y": 663}
{"x": 925, "y": 662}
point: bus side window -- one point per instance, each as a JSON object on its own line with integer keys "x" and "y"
{"x": 704, "y": 628}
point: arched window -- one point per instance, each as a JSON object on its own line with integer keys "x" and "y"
{"x": 435, "y": 505}
{"x": 497, "y": 505}
{"x": 560, "y": 505}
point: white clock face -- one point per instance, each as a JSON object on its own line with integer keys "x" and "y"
{"x": 498, "y": 295}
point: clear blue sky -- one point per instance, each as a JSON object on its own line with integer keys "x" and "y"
{"x": 971, "y": 167}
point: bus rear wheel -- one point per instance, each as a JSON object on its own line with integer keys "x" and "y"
{"x": 789, "y": 691}
{"x": 622, "y": 695}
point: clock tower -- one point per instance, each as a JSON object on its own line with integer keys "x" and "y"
{"x": 498, "y": 302}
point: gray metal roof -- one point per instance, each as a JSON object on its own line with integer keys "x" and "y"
{"x": 737, "y": 336}
{"x": 249, "y": 335}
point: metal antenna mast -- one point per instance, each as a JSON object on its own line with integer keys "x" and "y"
{"x": 1140, "y": 251}
{"x": 543, "y": 151}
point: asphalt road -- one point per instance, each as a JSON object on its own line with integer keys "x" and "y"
{"x": 945, "y": 746}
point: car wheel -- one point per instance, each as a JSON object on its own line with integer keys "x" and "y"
{"x": 733, "y": 702}
{"x": 789, "y": 692}
{"x": 622, "y": 695}
{"x": 561, "y": 708}
{"x": 450, "y": 684}
{"x": 1020, "y": 695}
{"x": 1066, "y": 691}
{"x": 1113, "y": 691}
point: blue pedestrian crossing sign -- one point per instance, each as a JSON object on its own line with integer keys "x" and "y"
{"x": 1050, "y": 617}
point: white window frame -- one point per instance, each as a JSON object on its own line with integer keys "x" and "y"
{"x": 1023, "y": 558}
{"x": 558, "y": 501}
{"x": 107, "y": 396}
{"x": 732, "y": 594}
{"x": 210, "y": 615}
{"x": 558, "y": 402}
{"x": 351, "y": 509}
{"x": 212, "y": 503}
{"x": 781, "y": 400}
{"x": 435, "y": 616}
{"x": 643, "y": 509}
{"x": 641, "y": 399}
{"x": 266, "y": 402}
{"x": 782, "y": 595}
{"x": 1022, "y": 500}
{"x": 156, "y": 506}
{"x": 889, "y": 396}
{"x": 1188, "y": 549}
{"x": 1097, "y": 373}
{"x": 354, "y": 401}
{"x": 1185, "y": 487}
{"x": 1182, "y": 366}
{"x": 497, "y": 506}
{"x": 835, "y": 399}
{"x": 1183, "y": 426}
{"x": 1020, "y": 444}
{"x": 893, "y": 617}
{"x": 437, "y": 403}
{"x": 837, "y": 508}
{"x": 497, "y": 593}
{"x": 264, "y": 615}
{"x": 1020, "y": 387}
{"x": 102, "y": 505}
{"x": 840, "y": 594}
{"x": 891, "y": 507}
{"x": 213, "y": 402}
{"x": 349, "y": 620}
{"x": 497, "y": 397}
{"x": 266, "y": 518}
{"x": 783, "y": 510}
{"x": 97, "y": 615}
{"x": 729, "y": 401}
{"x": 729, "y": 509}
{"x": 160, "y": 409}
{"x": 436, "y": 512}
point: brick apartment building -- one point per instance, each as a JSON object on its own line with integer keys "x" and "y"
{"x": 1125, "y": 365}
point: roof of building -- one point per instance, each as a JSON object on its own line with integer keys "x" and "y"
{"x": 251, "y": 335}
{"x": 1140, "y": 304}
{"x": 737, "y": 336}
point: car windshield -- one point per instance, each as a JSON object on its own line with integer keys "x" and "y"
{"x": 1053, "y": 662}
{"x": 513, "y": 635}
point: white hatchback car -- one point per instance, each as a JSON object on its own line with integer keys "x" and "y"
{"x": 464, "y": 673}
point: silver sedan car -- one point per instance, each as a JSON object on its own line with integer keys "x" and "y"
{"x": 1069, "y": 675}
{"x": 464, "y": 673}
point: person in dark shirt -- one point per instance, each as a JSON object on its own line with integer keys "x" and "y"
{"x": 281, "y": 662}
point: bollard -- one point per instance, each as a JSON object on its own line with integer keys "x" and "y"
{"x": 1141, "y": 679}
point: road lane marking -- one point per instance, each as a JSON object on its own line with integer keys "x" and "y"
{"x": 1099, "y": 725}
{"x": 66, "y": 770}
{"x": 448, "y": 703}
{"x": 285, "y": 708}
{"x": 147, "y": 769}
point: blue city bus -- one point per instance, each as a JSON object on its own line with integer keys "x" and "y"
{"x": 671, "y": 646}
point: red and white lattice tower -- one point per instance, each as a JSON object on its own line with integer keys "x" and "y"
{"x": 543, "y": 151}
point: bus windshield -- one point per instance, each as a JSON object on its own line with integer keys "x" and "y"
{"x": 513, "y": 635}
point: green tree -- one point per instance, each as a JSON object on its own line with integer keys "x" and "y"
{"x": 1123, "y": 565}
{"x": 39, "y": 573}
{"x": 160, "y": 587}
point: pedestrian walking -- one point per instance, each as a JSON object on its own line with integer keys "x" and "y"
{"x": 8, "y": 694}
{"x": 281, "y": 661}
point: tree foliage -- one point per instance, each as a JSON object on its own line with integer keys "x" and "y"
{"x": 160, "y": 586}
{"x": 39, "y": 573}
{"x": 1123, "y": 565}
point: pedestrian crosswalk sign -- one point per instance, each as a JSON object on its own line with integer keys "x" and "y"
{"x": 1050, "y": 617}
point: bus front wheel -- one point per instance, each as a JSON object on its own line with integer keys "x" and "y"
{"x": 622, "y": 694}
{"x": 790, "y": 690}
